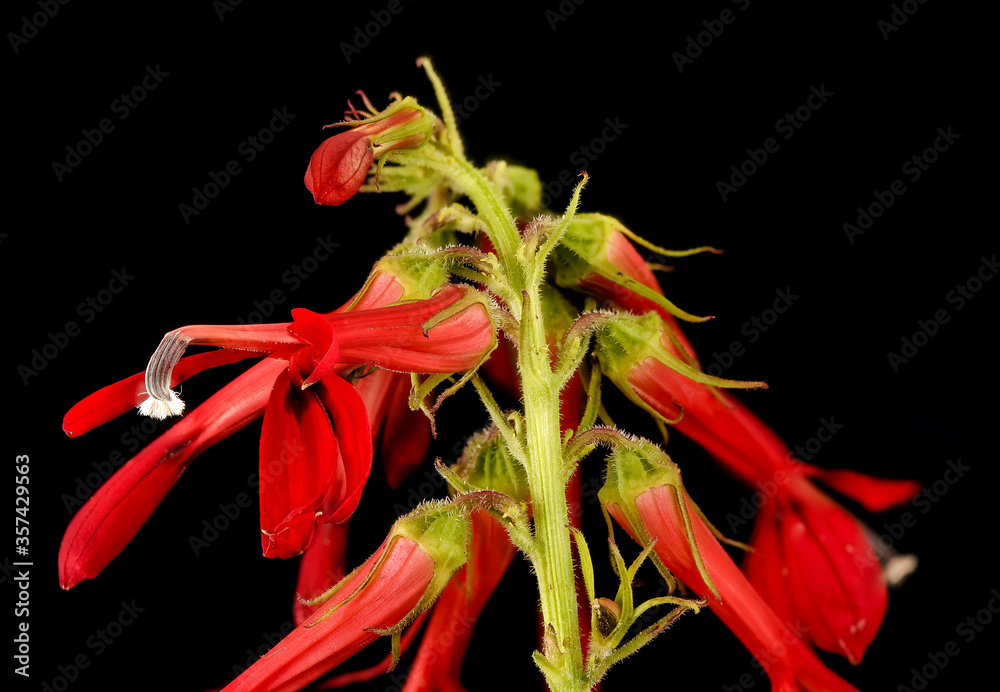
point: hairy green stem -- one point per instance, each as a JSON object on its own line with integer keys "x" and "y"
{"x": 552, "y": 558}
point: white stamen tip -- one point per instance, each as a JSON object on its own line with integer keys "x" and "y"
{"x": 159, "y": 409}
{"x": 899, "y": 567}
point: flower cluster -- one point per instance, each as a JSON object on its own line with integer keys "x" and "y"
{"x": 502, "y": 296}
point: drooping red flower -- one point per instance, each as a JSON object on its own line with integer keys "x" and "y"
{"x": 316, "y": 439}
{"x": 645, "y": 495}
{"x": 402, "y": 579}
{"x": 323, "y": 565}
{"x": 438, "y": 663}
{"x": 339, "y": 166}
{"x": 842, "y": 604}
{"x": 405, "y": 434}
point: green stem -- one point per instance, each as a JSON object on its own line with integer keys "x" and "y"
{"x": 468, "y": 180}
{"x": 552, "y": 556}
{"x": 546, "y": 481}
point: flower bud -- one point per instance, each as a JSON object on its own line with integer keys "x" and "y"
{"x": 340, "y": 164}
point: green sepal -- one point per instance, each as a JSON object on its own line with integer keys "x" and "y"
{"x": 487, "y": 476}
{"x": 418, "y": 272}
{"x": 486, "y": 464}
{"x": 521, "y": 187}
{"x": 626, "y": 340}
{"x": 442, "y": 530}
{"x": 583, "y": 251}
{"x": 635, "y": 467}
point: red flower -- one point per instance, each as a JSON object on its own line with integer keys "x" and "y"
{"x": 438, "y": 663}
{"x": 402, "y": 579}
{"x": 316, "y": 440}
{"x": 405, "y": 434}
{"x": 645, "y": 495}
{"x": 322, "y": 566}
{"x": 339, "y": 166}
{"x": 840, "y": 598}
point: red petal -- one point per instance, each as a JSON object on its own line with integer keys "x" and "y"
{"x": 767, "y": 566}
{"x": 406, "y": 434}
{"x": 874, "y": 494}
{"x": 836, "y": 583}
{"x": 298, "y": 462}
{"x": 317, "y": 331}
{"x": 380, "y": 668}
{"x": 393, "y": 338}
{"x": 106, "y": 523}
{"x": 321, "y": 568}
{"x": 381, "y": 288}
{"x": 742, "y": 609}
{"x": 707, "y": 420}
{"x": 320, "y": 643}
{"x": 438, "y": 664}
{"x": 115, "y": 399}
{"x": 338, "y": 167}
{"x": 350, "y": 420}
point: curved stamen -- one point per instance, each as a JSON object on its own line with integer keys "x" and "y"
{"x": 163, "y": 401}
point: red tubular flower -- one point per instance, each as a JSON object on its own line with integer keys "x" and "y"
{"x": 645, "y": 495}
{"x": 841, "y": 603}
{"x": 840, "y": 596}
{"x": 316, "y": 439}
{"x": 402, "y": 579}
{"x": 322, "y": 566}
{"x": 405, "y": 434}
{"x": 438, "y": 663}
{"x": 105, "y": 524}
{"x": 338, "y": 168}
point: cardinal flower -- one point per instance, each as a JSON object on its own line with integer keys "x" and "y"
{"x": 841, "y": 603}
{"x": 645, "y": 495}
{"x": 339, "y": 166}
{"x": 402, "y": 579}
{"x": 323, "y": 565}
{"x": 438, "y": 663}
{"x": 315, "y": 440}
{"x": 405, "y": 434}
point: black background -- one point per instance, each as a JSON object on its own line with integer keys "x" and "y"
{"x": 557, "y": 83}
